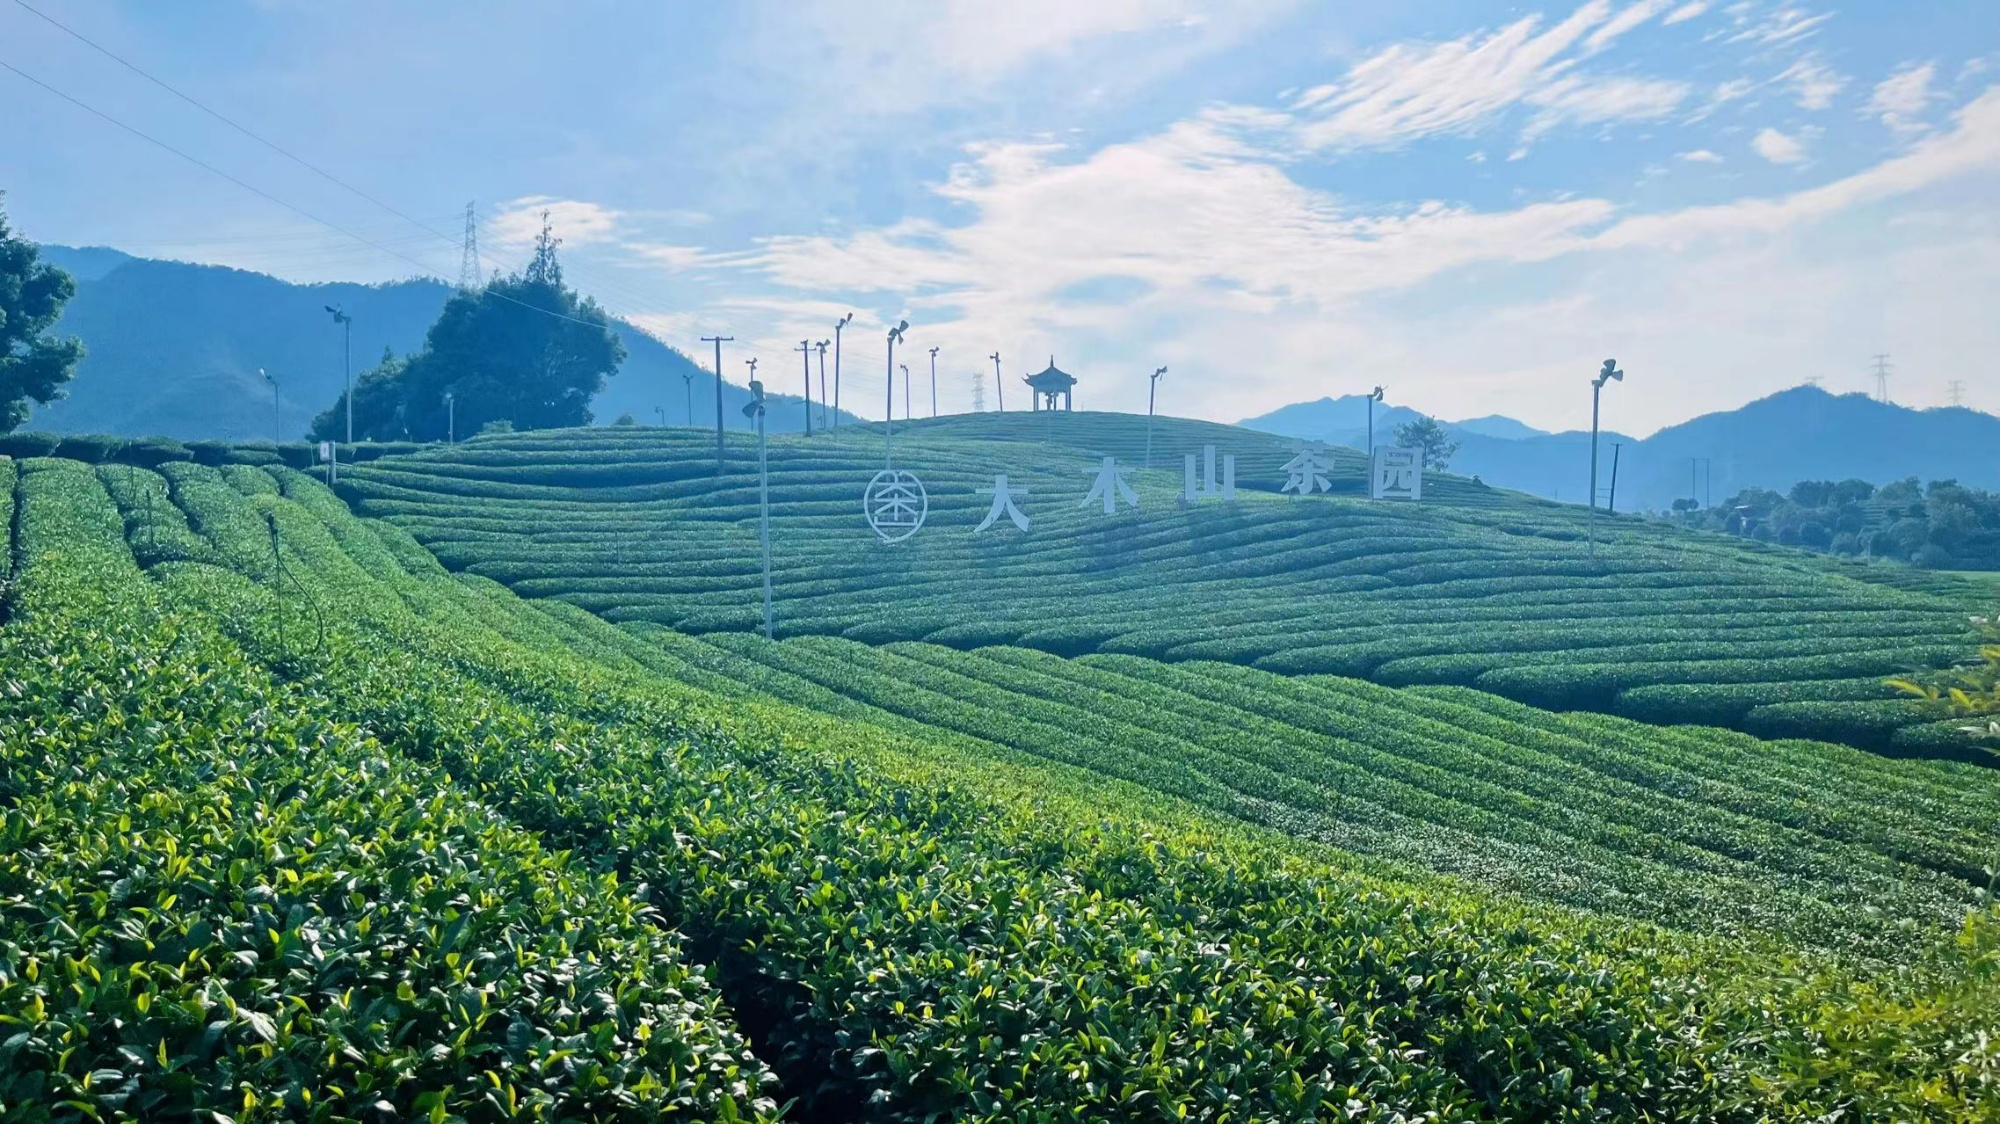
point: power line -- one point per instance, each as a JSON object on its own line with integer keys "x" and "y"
{"x": 273, "y": 146}
{"x": 262, "y": 194}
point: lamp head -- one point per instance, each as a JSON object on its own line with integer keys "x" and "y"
{"x": 1158, "y": 373}
{"x": 842, "y": 322}
{"x": 265, "y": 377}
{"x": 1376, "y": 394}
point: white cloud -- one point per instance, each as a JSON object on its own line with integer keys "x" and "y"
{"x": 1778, "y": 147}
{"x": 1414, "y": 90}
{"x": 576, "y": 222}
{"x": 1814, "y": 84}
{"x": 1785, "y": 25}
{"x": 1699, "y": 156}
{"x": 1634, "y": 14}
{"x": 1900, "y": 99}
{"x": 1685, "y": 12}
{"x": 1579, "y": 100}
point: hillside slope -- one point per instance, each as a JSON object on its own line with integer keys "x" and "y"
{"x": 313, "y": 740}
{"x": 1472, "y": 587}
{"x": 174, "y": 349}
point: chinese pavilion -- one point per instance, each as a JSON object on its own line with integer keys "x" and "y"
{"x": 1048, "y": 383}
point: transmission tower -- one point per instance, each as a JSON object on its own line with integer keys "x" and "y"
{"x": 1956, "y": 388}
{"x": 1882, "y": 370}
{"x": 468, "y": 261}
{"x": 979, "y": 392}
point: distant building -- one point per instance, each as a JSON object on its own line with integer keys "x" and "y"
{"x": 1048, "y": 383}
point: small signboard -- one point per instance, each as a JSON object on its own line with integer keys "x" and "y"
{"x": 1396, "y": 473}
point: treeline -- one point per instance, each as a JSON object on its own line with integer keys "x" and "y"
{"x": 523, "y": 352}
{"x": 1940, "y": 526}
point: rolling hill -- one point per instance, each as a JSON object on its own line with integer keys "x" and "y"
{"x": 297, "y": 785}
{"x": 174, "y": 351}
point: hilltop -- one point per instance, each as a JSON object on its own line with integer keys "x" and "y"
{"x": 1475, "y": 586}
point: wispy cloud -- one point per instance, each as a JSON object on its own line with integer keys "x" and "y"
{"x": 1778, "y": 148}
{"x": 1685, "y": 12}
{"x": 1783, "y": 25}
{"x": 1413, "y": 90}
{"x": 1699, "y": 156}
{"x": 1814, "y": 84}
{"x": 576, "y": 222}
{"x": 1901, "y": 99}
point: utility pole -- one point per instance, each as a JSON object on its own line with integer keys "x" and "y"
{"x": 718, "y": 341}
{"x": 1882, "y": 369}
{"x": 1152, "y": 389}
{"x": 934, "y": 352}
{"x": 825, "y": 423}
{"x": 837, "y": 326}
{"x": 889, "y": 395}
{"x": 806, "y": 368}
{"x": 1374, "y": 396}
{"x": 1611, "y": 505}
{"x": 999, "y": 387}
{"x": 277, "y": 427}
{"x": 346, "y": 323}
{"x": 1608, "y": 373}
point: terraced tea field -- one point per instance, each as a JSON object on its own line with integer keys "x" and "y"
{"x": 1472, "y": 587}
{"x": 301, "y": 826}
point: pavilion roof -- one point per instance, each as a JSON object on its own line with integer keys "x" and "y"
{"x": 1049, "y": 378}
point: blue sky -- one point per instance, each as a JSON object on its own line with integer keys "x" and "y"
{"x": 1474, "y": 203}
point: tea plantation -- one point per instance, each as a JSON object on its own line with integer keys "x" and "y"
{"x": 1473, "y": 587}
{"x": 300, "y": 824}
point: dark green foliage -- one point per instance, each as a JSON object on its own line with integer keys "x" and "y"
{"x": 525, "y": 349}
{"x": 90, "y": 448}
{"x": 1433, "y": 439}
{"x": 30, "y": 444}
{"x": 1942, "y": 526}
{"x": 33, "y": 364}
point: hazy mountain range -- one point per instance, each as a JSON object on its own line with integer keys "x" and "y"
{"x": 1798, "y": 434}
{"x": 174, "y": 350}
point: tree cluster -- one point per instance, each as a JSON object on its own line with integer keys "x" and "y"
{"x": 1943, "y": 525}
{"x": 33, "y": 365}
{"x": 525, "y": 350}
{"x": 1435, "y": 441}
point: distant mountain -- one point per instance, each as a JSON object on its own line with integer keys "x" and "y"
{"x": 1344, "y": 421}
{"x": 1798, "y": 434}
{"x": 1498, "y": 425}
{"x": 174, "y": 348}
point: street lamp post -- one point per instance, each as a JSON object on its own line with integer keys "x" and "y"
{"x": 906, "y": 390}
{"x": 277, "y": 427}
{"x": 998, "y": 386}
{"x": 934, "y": 352}
{"x": 806, "y": 373}
{"x": 821, "y": 347}
{"x": 1608, "y": 373}
{"x": 889, "y": 396}
{"x": 1374, "y": 396}
{"x": 687, "y": 385}
{"x": 837, "y": 326}
{"x": 450, "y": 418}
{"x": 661, "y": 413}
{"x": 1152, "y": 389}
{"x": 346, "y": 323}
